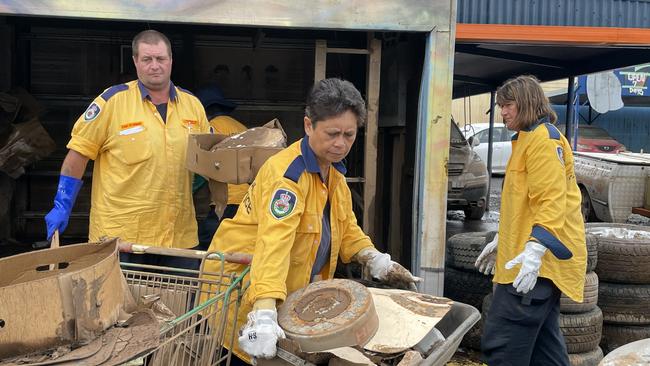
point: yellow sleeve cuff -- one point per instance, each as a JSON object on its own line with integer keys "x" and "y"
{"x": 264, "y": 304}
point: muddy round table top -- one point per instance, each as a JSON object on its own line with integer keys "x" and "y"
{"x": 329, "y": 314}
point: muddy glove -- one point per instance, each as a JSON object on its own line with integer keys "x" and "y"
{"x": 530, "y": 260}
{"x": 487, "y": 259}
{"x": 66, "y": 194}
{"x": 260, "y": 335}
{"x": 385, "y": 270}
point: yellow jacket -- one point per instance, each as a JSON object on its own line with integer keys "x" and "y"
{"x": 279, "y": 222}
{"x": 541, "y": 202}
{"x": 225, "y": 125}
{"x": 141, "y": 190}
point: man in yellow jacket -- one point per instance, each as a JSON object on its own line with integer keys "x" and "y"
{"x": 540, "y": 250}
{"x": 137, "y": 135}
{"x": 297, "y": 219}
{"x": 218, "y": 110}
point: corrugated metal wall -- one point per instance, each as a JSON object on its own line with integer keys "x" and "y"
{"x": 588, "y": 13}
{"x": 628, "y": 125}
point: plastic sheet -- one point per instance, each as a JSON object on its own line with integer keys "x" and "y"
{"x": 619, "y": 233}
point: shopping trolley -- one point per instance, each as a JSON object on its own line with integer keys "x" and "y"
{"x": 200, "y": 301}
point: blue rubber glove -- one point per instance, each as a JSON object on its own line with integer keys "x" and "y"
{"x": 66, "y": 194}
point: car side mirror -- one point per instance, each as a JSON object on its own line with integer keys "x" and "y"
{"x": 474, "y": 141}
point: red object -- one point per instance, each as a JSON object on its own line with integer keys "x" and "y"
{"x": 595, "y": 139}
{"x": 599, "y": 145}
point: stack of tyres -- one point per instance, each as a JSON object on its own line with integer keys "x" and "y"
{"x": 463, "y": 282}
{"x": 624, "y": 292}
{"x": 582, "y": 323}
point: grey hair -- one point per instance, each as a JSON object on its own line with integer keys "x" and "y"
{"x": 332, "y": 97}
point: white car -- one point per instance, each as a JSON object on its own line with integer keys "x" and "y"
{"x": 501, "y": 143}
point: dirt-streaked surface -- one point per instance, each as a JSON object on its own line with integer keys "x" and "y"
{"x": 466, "y": 358}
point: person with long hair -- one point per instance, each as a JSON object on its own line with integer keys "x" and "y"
{"x": 540, "y": 250}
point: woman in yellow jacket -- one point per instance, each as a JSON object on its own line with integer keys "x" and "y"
{"x": 541, "y": 241}
{"x": 297, "y": 220}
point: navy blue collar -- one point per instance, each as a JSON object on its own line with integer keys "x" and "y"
{"x": 145, "y": 93}
{"x": 310, "y": 158}
{"x": 540, "y": 121}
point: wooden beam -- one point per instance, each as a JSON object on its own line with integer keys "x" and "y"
{"x": 370, "y": 151}
{"x": 320, "y": 62}
{"x": 544, "y": 34}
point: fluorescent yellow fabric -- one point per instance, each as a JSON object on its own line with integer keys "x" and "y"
{"x": 284, "y": 250}
{"x": 540, "y": 194}
{"x": 264, "y": 304}
{"x": 141, "y": 190}
{"x": 225, "y": 125}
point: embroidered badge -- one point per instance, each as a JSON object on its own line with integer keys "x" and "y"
{"x": 560, "y": 154}
{"x": 190, "y": 123}
{"x": 92, "y": 112}
{"x": 283, "y": 203}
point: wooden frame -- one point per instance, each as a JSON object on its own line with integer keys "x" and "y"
{"x": 373, "y": 72}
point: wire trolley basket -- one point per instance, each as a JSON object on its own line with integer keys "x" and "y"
{"x": 201, "y": 302}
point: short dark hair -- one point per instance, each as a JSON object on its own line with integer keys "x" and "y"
{"x": 151, "y": 37}
{"x": 332, "y": 97}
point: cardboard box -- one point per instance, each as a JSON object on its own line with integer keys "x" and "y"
{"x": 60, "y": 296}
{"x": 233, "y": 159}
{"x": 236, "y": 164}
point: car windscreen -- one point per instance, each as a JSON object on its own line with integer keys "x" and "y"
{"x": 593, "y": 133}
{"x": 589, "y": 132}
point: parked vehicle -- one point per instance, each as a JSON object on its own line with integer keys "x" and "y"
{"x": 501, "y": 146}
{"x": 612, "y": 184}
{"x": 595, "y": 139}
{"x": 468, "y": 177}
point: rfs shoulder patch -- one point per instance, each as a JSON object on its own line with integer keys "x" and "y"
{"x": 560, "y": 154}
{"x": 283, "y": 203}
{"x": 92, "y": 112}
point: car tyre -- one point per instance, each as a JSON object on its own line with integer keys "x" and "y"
{"x": 582, "y": 331}
{"x": 467, "y": 287}
{"x": 615, "y": 336}
{"x": 587, "y": 207}
{"x": 463, "y": 249}
{"x": 591, "y": 358}
{"x": 624, "y": 304}
{"x": 590, "y": 297}
{"x": 623, "y": 260}
{"x": 474, "y": 213}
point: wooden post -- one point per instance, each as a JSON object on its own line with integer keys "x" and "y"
{"x": 370, "y": 151}
{"x": 320, "y": 62}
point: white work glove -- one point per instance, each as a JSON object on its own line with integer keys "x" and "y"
{"x": 530, "y": 260}
{"x": 385, "y": 270}
{"x": 260, "y": 336}
{"x": 487, "y": 259}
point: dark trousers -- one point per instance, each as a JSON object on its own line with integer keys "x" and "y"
{"x": 210, "y": 224}
{"x": 524, "y": 330}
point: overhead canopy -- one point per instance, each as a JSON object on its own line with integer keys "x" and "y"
{"x": 489, "y": 54}
{"x": 383, "y": 15}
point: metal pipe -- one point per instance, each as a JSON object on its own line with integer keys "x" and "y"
{"x": 570, "y": 110}
{"x": 493, "y": 97}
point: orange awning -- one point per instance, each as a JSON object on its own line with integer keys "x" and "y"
{"x": 502, "y": 33}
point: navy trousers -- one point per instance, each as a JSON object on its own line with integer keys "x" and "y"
{"x": 524, "y": 330}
